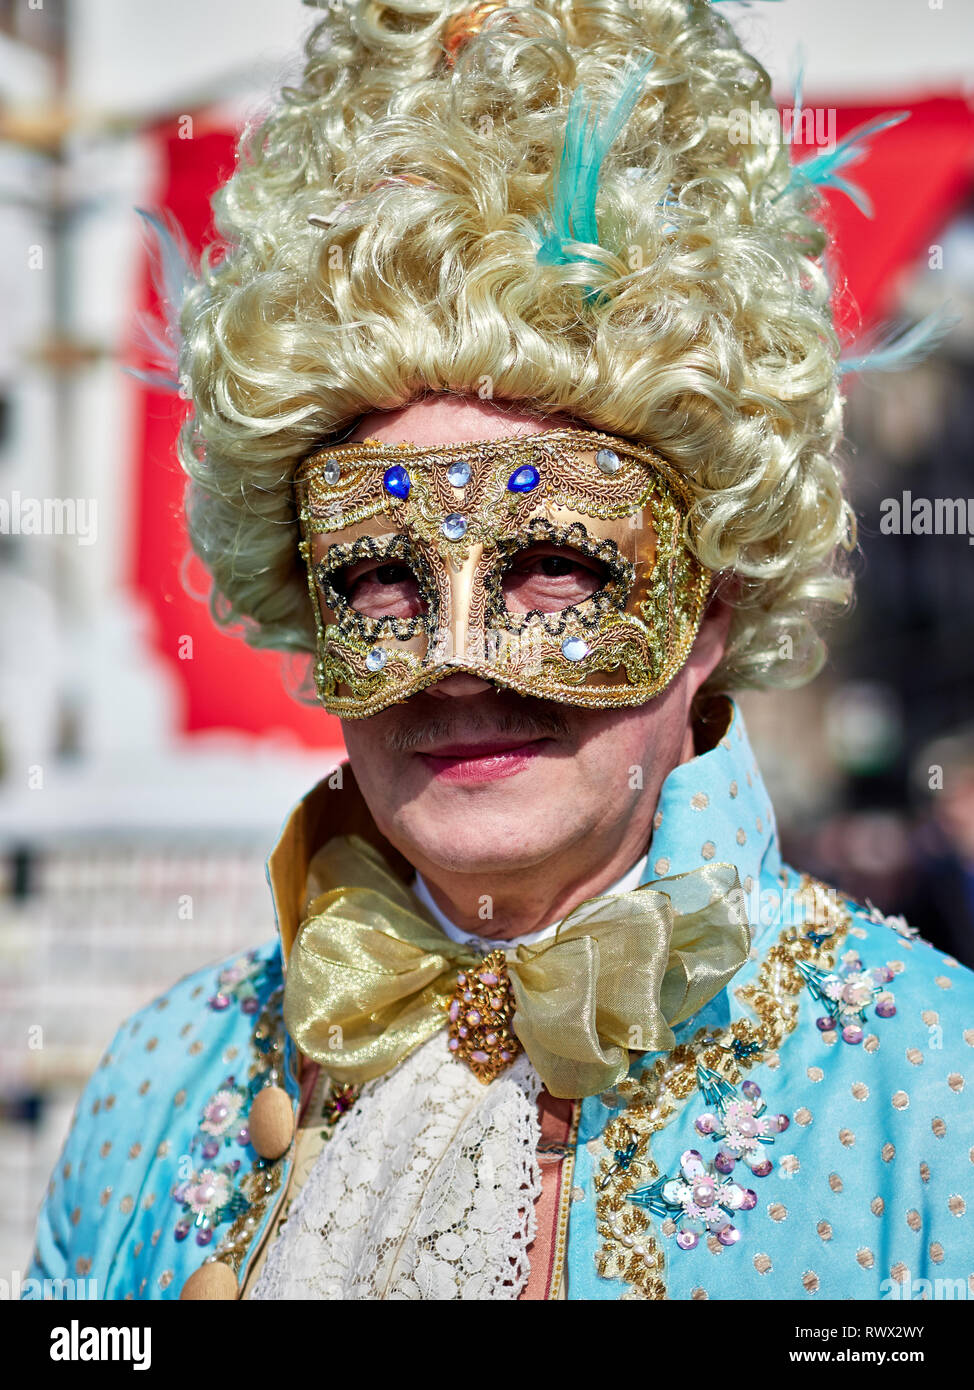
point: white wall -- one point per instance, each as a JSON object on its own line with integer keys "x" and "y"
{"x": 131, "y": 56}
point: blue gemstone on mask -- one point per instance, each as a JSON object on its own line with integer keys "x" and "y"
{"x": 608, "y": 460}
{"x": 396, "y": 481}
{"x": 458, "y": 474}
{"x": 454, "y": 526}
{"x": 526, "y": 479}
{"x": 574, "y": 649}
{"x": 376, "y": 659}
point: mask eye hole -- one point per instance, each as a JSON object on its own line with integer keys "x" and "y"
{"x": 546, "y": 578}
{"x": 379, "y": 588}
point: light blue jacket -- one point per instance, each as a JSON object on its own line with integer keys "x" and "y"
{"x": 870, "y": 1184}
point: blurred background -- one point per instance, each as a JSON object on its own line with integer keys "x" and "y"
{"x": 147, "y": 760}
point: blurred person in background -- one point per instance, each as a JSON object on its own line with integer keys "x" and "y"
{"x": 942, "y": 901}
{"x": 515, "y": 401}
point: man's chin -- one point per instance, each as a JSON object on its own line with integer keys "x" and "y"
{"x": 488, "y": 858}
{"x": 491, "y": 839}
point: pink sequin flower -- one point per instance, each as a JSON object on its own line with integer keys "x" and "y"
{"x": 700, "y": 1202}
{"x": 221, "y": 1112}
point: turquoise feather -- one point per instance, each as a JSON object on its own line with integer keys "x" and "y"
{"x": 824, "y": 170}
{"x": 893, "y": 350}
{"x": 798, "y": 100}
{"x": 172, "y": 275}
{"x": 896, "y": 349}
{"x": 588, "y": 136}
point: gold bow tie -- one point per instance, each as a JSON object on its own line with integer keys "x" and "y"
{"x": 370, "y": 978}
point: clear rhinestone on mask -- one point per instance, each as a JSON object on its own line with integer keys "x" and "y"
{"x": 574, "y": 649}
{"x": 608, "y": 460}
{"x": 454, "y": 526}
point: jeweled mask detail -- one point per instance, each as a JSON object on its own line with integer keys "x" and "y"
{"x": 455, "y": 518}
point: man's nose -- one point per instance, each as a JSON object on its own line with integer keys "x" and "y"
{"x": 458, "y": 684}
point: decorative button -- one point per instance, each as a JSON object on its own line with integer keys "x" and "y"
{"x": 376, "y": 659}
{"x": 331, "y": 472}
{"x": 271, "y": 1122}
{"x": 458, "y": 474}
{"x": 574, "y": 649}
{"x": 396, "y": 481}
{"x": 454, "y": 527}
{"x": 214, "y": 1280}
{"x": 608, "y": 460}
{"x": 526, "y": 479}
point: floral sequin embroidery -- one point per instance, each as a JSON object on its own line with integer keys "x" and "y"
{"x": 738, "y": 1122}
{"x": 632, "y": 1251}
{"x": 847, "y": 993}
{"x": 208, "y": 1196}
{"x": 699, "y": 1201}
{"x": 239, "y": 981}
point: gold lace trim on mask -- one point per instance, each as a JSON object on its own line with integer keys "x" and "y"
{"x": 338, "y": 488}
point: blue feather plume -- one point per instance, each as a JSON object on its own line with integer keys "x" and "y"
{"x": 172, "y": 276}
{"x": 798, "y": 100}
{"x": 824, "y": 170}
{"x": 588, "y": 136}
{"x": 893, "y": 349}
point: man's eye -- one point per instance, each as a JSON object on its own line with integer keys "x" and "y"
{"x": 392, "y": 574}
{"x": 385, "y": 590}
{"x": 548, "y": 580}
{"x": 554, "y": 566}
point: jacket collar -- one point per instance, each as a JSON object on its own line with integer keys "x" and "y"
{"x": 713, "y": 808}
{"x": 335, "y": 806}
{"x": 716, "y": 809}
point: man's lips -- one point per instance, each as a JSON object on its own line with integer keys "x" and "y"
{"x": 481, "y": 762}
{"x": 477, "y": 750}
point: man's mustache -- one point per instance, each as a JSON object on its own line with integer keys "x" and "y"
{"x": 535, "y": 720}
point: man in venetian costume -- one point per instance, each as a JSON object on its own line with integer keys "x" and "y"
{"x": 515, "y": 401}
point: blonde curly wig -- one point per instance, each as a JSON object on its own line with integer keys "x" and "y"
{"x": 710, "y": 335}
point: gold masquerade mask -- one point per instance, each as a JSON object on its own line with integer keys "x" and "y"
{"x": 454, "y": 519}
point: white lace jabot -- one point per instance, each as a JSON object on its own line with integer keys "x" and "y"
{"x": 426, "y": 1190}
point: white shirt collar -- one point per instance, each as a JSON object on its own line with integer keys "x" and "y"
{"x": 629, "y": 880}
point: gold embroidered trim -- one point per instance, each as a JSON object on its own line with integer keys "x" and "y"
{"x": 580, "y": 483}
{"x": 632, "y": 1251}
{"x": 263, "y": 1181}
{"x": 567, "y": 1178}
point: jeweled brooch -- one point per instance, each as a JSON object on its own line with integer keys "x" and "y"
{"x": 480, "y": 1011}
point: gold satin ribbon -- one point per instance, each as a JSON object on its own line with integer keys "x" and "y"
{"x": 368, "y": 974}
